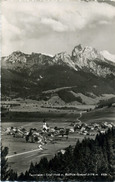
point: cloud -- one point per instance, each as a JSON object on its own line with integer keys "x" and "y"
{"x": 104, "y": 22}
{"x": 9, "y": 31}
{"x": 58, "y": 16}
{"x": 31, "y": 20}
{"x": 54, "y": 24}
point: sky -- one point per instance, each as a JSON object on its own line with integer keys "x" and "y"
{"x": 53, "y": 26}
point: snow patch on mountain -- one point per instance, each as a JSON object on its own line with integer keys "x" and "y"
{"x": 46, "y": 54}
{"x": 108, "y": 56}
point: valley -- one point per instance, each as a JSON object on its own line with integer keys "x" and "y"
{"x": 50, "y": 102}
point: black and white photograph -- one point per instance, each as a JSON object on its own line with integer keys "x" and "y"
{"x": 57, "y": 90}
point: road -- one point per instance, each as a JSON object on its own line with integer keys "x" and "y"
{"x": 80, "y": 115}
{"x": 23, "y": 153}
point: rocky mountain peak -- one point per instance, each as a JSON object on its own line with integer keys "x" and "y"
{"x": 17, "y": 53}
{"x": 91, "y": 60}
{"x": 64, "y": 58}
{"x": 16, "y": 57}
{"x": 82, "y": 52}
{"x": 83, "y": 58}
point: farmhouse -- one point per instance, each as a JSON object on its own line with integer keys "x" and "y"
{"x": 102, "y": 131}
{"x": 62, "y": 151}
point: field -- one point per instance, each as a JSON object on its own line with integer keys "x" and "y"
{"x": 23, "y": 110}
{"x": 21, "y": 153}
{"x": 100, "y": 115}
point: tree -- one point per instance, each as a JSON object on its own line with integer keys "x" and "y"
{"x": 6, "y": 172}
{"x": 32, "y": 170}
{"x": 43, "y": 165}
{"x": 4, "y": 164}
{"x": 67, "y": 133}
{"x": 62, "y": 132}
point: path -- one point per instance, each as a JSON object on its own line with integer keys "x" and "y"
{"x": 80, "y": 115}
{"x": 22, "y": 153}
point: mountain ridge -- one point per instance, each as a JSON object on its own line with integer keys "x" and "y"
{"x": 84, "y": 71}
{"x": 86, "y": 58}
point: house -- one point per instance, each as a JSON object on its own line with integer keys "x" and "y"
{"x": 71, "y": 130}
{"x": 102, "y": 131}
{"x": 96, "y": 126}
{"x": 109, "y": 125}
{"x": 85, "y": 132}
{"x": 92, "y": 128}
{"x": 52, "y": 130}
{"x": 8, "y": 130}
{"x": 82, "y": 129}
{"x": 62, "y": 151}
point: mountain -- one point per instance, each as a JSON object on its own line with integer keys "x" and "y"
{"x": 19, "y": 59}
{"x": 85, "y": 71}
{"x": 90, "y": 60}
{"x": 86, "y": 58}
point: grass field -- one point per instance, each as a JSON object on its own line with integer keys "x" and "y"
{"x": 100, "y": 115}
{"x": 31, "y": 110}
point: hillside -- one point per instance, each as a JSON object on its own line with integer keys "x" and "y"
{"x": 85, "y": 75}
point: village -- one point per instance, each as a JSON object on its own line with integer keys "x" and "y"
{"x": 47, "y": 134}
